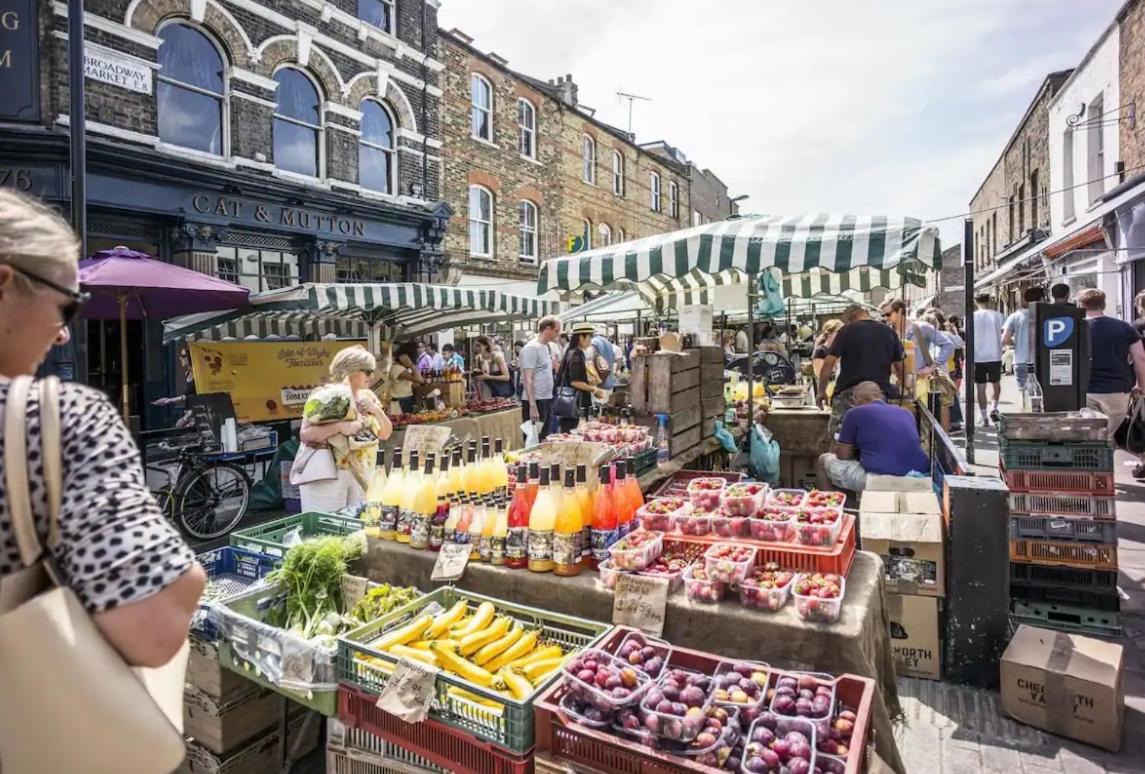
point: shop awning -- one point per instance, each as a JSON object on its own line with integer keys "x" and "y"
{"x": 836, "y": 252}
{"x": 406, "y": 309}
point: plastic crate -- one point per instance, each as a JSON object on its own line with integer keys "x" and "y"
{"x": 430, "y": 740}
{"x": 230, "y": 571}
{"x": 1102, "y": 623}
{"x": 510, "y": 724}
{"x": 1051, "y": 426}
{"x": 1064, "y": 578}
{"x": 1057, "y": 528}
{"x": 1094, "y": 557}
{"x": 1059, "y": 482}
{"x": 357, "y": 751}
{"x": 1078, "y": 506}
{"x": 677, "y": 483}
{"x": 599, "y": 749}
{"x": 1072, "y": 455}
{"x": 789, "y": 556}
{"x": 267, "y": 538}
{"x": 1092, "y": 599}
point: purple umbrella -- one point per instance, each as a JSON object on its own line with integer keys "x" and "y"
{"x": 126, "y": 284}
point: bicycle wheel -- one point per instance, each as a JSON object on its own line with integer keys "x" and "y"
{"x": 211, "y": 500}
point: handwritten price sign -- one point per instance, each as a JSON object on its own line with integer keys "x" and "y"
{"x": 410, "y": 690}
{"x": 640, "y": 601}
{"x": 451, "y": 562}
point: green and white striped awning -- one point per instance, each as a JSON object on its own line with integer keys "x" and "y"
{"x": 864, "y": 251}
{"x": 355, "y": 310}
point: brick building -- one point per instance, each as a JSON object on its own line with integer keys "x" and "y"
{"x": 707, "y": 193}
{"x": 1011, "y": 209}
{"x": 531, "y": 174}
{"x": 266, "y": 141}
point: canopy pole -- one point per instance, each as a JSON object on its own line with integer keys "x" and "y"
{"x": 968, "y": 348}
{"x": 123, "y": 356}
{"x": 750, "y": 362}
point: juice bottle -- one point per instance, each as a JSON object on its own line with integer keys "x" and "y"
{"x": 392, "y": 498}
{"x": 451, "y": 519}
{"x": 517, "y": 540}
{"x": 499, "y": 468}
{"x": 455, "y": 468}
{"x": 567, "y": 530}
{"x": 410, "y": 485}
{"x": 442, "y": 506}
{"x": 424, "y": 507}
{"x": 534, "y": 482}
{"x": 476, "y": 525}
{"x": 542, "y": 520}
{"x": 469, "y": 473}
{"x": 372, "y": 512}
{"x": 604, "y": 522}
{"x": 555, "y": 482}
{"x": 584, "y": 505}
{"x": 500, "y": 533}
{"x": 633, "y": 483}
{"x": 488, "y": 521}
{"x": 461, "y": 529}
{"x": 485, "y": 469}
{"x": 625, "y": 503}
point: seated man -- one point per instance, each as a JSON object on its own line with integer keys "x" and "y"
{"x": 884, "y": 436}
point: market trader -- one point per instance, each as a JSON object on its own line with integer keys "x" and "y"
{"x": 885, "y": 438}
{"x": 867, "y": 350}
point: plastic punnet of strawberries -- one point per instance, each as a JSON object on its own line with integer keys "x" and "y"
{"x": 819, "y": 596}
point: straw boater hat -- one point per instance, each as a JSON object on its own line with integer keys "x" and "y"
{"x": 583, "y": 327}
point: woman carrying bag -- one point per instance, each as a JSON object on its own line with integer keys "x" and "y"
{"x": 494, "y": 374}
{"x": 574, "y": 390}
{"x": 97, "y": 588}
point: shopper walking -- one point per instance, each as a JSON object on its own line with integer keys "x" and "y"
{"x": 1117, "y": 360}
{"x": 866, "y": 351}
{"x": 823, "y": 344}
{"x": 988, "y": 325}
{"x": 1016, "y": 333}
{"x": 537, "y": 374}
{"x": 116, "y": 551}
{"x": 574, "y": 372}
{"x": 929, "y": 351}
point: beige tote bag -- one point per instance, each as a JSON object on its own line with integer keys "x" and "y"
{"x": 68, "y": 702}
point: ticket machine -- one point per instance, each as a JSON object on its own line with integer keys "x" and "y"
{"x": 1061, "y": 355}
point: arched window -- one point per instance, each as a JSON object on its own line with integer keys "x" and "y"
{"x": 480, "y": 222}
{"x": 528, "y": 229}
{"x": 377, "y": 160}
{"x": 674, "y": 199}
{"x": 586, "y": 225}
{"x": 605, "y": 235}
{"x": 621, "y": 237}
{"x": 379, "y": 13}
{"x": 654, "y": 190}
{"x": 481, "y": 112}
{"x": 526, "y": 129}
{"x": 297, "y": 123}
{"x": 191, "y": 90}
{"x": 588, "y": 159}
{"x": 617, "y": 173}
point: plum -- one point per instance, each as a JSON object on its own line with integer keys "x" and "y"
{"x": 756, "y": 765}
{"x": 784, "y": 704}
{"x": 799, "y": 766}
{"x": 664, "y": 706}
{"x": 652, "y": 723}
{"x": 763, "y": 735}
{"x": 631, "y": 721}
{"x": 692, "y": 696}
{"x": 586, "y": 675}
{"x": 653, "y": 665}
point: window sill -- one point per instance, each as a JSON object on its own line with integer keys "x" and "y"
{"x": 530, "y": 159}
{"x": 526, "y": 260}
{"x": 482, "y": 258}
{"x": 1069, "y": 221}
{"x": 298, "y": 178}
{"x": 483, "y": 141}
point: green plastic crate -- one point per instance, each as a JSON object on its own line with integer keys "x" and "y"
{"x": 1070, "y": 455}
{"x": 510, "y": 725}
{"x": 267, "y": 538}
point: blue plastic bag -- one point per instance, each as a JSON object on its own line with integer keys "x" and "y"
{"x": 764, "y": 458}
{"x": 771, "y": 297}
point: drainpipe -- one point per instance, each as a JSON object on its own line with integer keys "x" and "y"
{"x": 424, "y": 110}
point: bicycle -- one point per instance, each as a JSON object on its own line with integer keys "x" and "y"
{"x": 206, "y": 497}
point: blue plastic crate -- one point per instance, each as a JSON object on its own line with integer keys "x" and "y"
{"x": 230, "y": 571}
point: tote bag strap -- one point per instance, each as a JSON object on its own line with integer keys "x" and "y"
{"x": 16, "y": 470}
{"x": 50, "y": 441}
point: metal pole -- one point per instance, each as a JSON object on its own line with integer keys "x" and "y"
{"x": 968, "y": 351}
{"x": 78, "y": 123}
{"x": 751, "y": 280}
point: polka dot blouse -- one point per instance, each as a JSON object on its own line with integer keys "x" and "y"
{"x": 116, "y": 547}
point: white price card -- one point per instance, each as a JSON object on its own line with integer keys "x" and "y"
{"x": 353, "y": 589}
{"x": 410, "y": 690}
{"x": 640, "y": 601}
{"x": 423, "y": 439}
{"x": 451, "y": 562}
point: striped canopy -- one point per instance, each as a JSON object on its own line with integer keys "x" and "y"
{"x": 355, "y": 310}
{"x": 815, "y": 254}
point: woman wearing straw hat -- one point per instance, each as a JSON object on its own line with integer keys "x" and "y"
{"x": 575, "y": 371}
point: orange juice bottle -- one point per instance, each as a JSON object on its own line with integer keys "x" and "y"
{"x": 555, "y": 482}
{"x": 534, "y": 482}
{"x": 392, "y": 498}
{"x": 633, "y": 497}
{"x": 499, "y": 468}
{"x": 485, "y": 474}
{"x": 604, "y": 523}
{"x": 410, "y": 487}
{"x": 500, "y": 532}
{"x": 567, "y": 530}
{"x": 424, "y": 507}
{"x": 469, "y": 474}
{"x": 542, "y": 521}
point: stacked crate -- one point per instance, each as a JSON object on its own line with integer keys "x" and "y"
{"x": 688, "y": 387}
{"x": 1063, "y": 527}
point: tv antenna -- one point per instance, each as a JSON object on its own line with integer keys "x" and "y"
{"x": 631, "y": 98}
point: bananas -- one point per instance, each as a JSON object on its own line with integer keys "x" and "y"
{"x": 549, "y": 651}
{"x": 424, "y": 656}
{"x": 539, "y": 670}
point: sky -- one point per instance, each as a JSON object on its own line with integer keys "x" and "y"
{"x": 878, "y": 107}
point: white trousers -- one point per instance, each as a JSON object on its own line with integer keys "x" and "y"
{"x": 331, "y": 495}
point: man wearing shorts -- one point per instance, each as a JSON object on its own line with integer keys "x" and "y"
{"x": 987, "y": 357}
{"x": 1016, "y": 333}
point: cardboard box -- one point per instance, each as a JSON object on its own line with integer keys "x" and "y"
{"x": 887, "y": 501}
{"x": 880, "y": 483}
{"x": 915, "y": 640}
{"x": 1066, "y": 684}
{"x": 910, "y": 545}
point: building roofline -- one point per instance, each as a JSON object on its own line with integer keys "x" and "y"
{"x": 1064, "y": 75}
{"x": 1093, "y": 49}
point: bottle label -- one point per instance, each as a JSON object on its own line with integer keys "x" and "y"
{"x": 388, "y": 519}
{"x": 516, "y": 543}
{"x": 497, "y": 549}
{"x": 485, "y": 548}
{"x": 586, "y": 541}
{"x": 622, "y": 529}
{"x": 371, "y": 514}
{"x": 565, "y": 548}
{"x": 601, "y": 540}
{"x": 461, "y": 536}
{"x": 436, "y": 535}
{"x": 540, "y": 545}
{"x": 419, "y": 531}
{"x": 405, "y": 521}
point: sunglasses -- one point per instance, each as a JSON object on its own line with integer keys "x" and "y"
{"x": 76, "y": 299}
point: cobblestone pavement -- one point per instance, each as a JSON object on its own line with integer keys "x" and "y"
{"x": 948, "y": 729}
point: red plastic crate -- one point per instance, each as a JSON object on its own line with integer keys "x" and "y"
{"x": 1059, "y": 482}
{"x": 677, "y": 483}
{"x": 789, "y": 556}
{"x": 566, "y": 739}
{"x": 443, "y": 745}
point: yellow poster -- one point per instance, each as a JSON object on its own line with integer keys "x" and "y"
{"x": 267, "y": 380}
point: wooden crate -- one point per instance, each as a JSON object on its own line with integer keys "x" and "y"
{"x": 205, "y": 675}
{"x": 221, "y": 727}
{"x": 638, "y": 383}
{"x": 713, "y": 407}
{"x": 712, "y": 380}
{"x": 682, "y": 442}
{"x": 665, "y": 402}
{"x": 711, "y": 354}
{"x": 257, "y": 757}
{"x": 684, "y": 419}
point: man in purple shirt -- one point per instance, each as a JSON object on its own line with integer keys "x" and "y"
{"x": 877, "y": 438}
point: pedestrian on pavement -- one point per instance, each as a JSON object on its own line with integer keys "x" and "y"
{"x": 537, "y": 373}
{"x": 932, "y": 349}
{"x": 1117, "y": 360}
{"x": 577, "y": 371}
{"x": 956, "y": 331}
{"x": 988, "y": 324}
{"x": 1059, "y": 293}
{"x": 452, "y": 357}
{"x": 866, "y": 351}
{"x": 1016, "y": 333}
{"x": 115, "y": 550}
{"x": 823, "y": 344}
{"x": 424, "y": 357}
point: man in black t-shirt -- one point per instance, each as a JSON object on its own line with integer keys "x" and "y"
{"x": 867, "y": 350}
{"x": 1116, "y": 361}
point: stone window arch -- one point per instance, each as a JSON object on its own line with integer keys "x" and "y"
{"x": 377, "y": 147}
